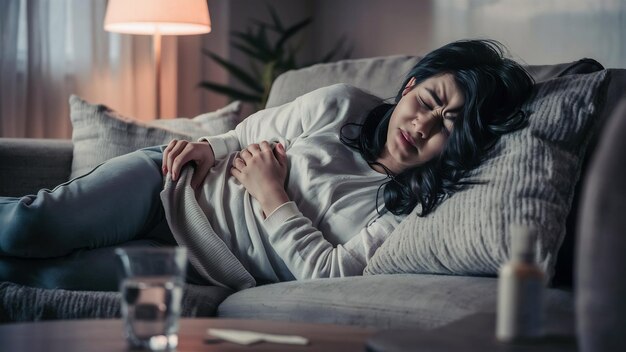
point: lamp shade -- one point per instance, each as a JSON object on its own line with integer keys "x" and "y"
{"x": 167, "y": 17}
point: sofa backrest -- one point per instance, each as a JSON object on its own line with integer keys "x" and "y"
{"x": 615, "y": 96}
{"x": 383, "y": 76}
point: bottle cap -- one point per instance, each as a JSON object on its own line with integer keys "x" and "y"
{"x": 523, "y": 239}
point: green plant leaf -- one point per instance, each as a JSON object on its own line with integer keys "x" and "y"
{"x": 289, "y": 62}
{"x": 247, "y": 38}
{"x": 278, "y": 26}
{"x": 291, "y": 31}
{"x": 255, "y": 70}
{"x": 237, "y": 72}
{"x": 268, "y": 79}
{"x": 253, "y": 54}
{"x": 264, "y": 41}
{"x": 230, "y": 92}
{"x": 268, "y": 58}
{"x": 260, "y": 23}
{"x": 262, "y": 52}
{"x": 268, "y": 74}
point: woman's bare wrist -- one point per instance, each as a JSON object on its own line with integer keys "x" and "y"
{"x": 273, "y": 200}
{"x": 211, "y": 151}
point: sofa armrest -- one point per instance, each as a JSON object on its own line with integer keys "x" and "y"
{"x": 600, "y": 288}
{"x": 28, "y": 165}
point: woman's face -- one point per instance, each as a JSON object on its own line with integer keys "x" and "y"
{"x": 422, "y": 122}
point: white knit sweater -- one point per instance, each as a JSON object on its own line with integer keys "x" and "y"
{"x": 330, "y": 228}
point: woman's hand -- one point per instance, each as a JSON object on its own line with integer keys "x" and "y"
{"x": 263, "y": 171}
{"x": 180, "y": 152}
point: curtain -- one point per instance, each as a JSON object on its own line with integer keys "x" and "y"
{"x": 52, "y": 49}
{"x": 539, "y": 31}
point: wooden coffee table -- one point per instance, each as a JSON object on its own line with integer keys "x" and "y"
{"x": 476, "y": 333}
{"x": 106, "y": 335}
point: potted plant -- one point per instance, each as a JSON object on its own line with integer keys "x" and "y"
{"x": 268, "y": 58}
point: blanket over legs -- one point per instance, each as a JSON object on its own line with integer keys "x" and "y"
{"x": 207, "y": 252}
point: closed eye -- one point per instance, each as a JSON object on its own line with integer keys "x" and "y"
{"x": 434, "y": 97}
{"x": 424, "y": 103}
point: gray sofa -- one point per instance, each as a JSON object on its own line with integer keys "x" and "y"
{"x": 382, "y": 301}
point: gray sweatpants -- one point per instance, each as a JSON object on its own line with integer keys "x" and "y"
{"x": 76, "y": 225}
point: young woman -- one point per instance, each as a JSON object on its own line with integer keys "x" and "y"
{"x": 294, "y": 192}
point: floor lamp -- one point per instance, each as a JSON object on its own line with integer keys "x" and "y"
{"x": 157, "y": 18}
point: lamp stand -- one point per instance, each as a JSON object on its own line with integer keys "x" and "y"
{"x": 156, "y": 48}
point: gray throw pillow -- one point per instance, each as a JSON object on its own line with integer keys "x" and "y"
{"x": 530, "y": 178}
{"x": 100, "y": 133}
{"x": 210, "y": 123}
{"x": 224, "y": 119}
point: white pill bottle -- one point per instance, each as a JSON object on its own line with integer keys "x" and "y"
{"x": 520, "y": 290}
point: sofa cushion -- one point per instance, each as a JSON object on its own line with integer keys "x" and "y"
{"x": 383, "y": 301}
{"x": 530, "y": 177}
{"x": 100, "y": 133}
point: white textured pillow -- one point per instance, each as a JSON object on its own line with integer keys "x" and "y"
{"x": 530, "y": 174}
{"x": 100, "y": 133}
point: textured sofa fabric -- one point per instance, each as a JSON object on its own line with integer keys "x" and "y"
{"x": 100, "y": 133}
{"x": 382, "y": 76}
{"x": 601, "y": 288}
{"x": 32, "y": 164}
{"x": 383, "y": 301}
{"x": 23, "y": 303}
{"x": 380, "y": 300}
{"x": 90, "y": 281}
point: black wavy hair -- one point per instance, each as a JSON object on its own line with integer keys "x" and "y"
{"x": 494, "y": 87}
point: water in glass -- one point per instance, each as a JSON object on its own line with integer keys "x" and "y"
{"x": 151, "y": 308}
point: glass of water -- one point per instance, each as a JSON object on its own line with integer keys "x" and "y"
{"x": 152, "y": 291}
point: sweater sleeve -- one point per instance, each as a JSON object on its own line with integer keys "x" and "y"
{"x": 309, "y": 255}
{"x": 307, "y": 113}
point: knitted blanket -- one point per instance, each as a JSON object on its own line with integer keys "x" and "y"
{"x": 207, "y": 252}
{"x": 24, "y": 303}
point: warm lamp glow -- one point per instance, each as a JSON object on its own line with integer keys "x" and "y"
{"x": 166, "y": 17}
{"x": 157, "y": 17}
